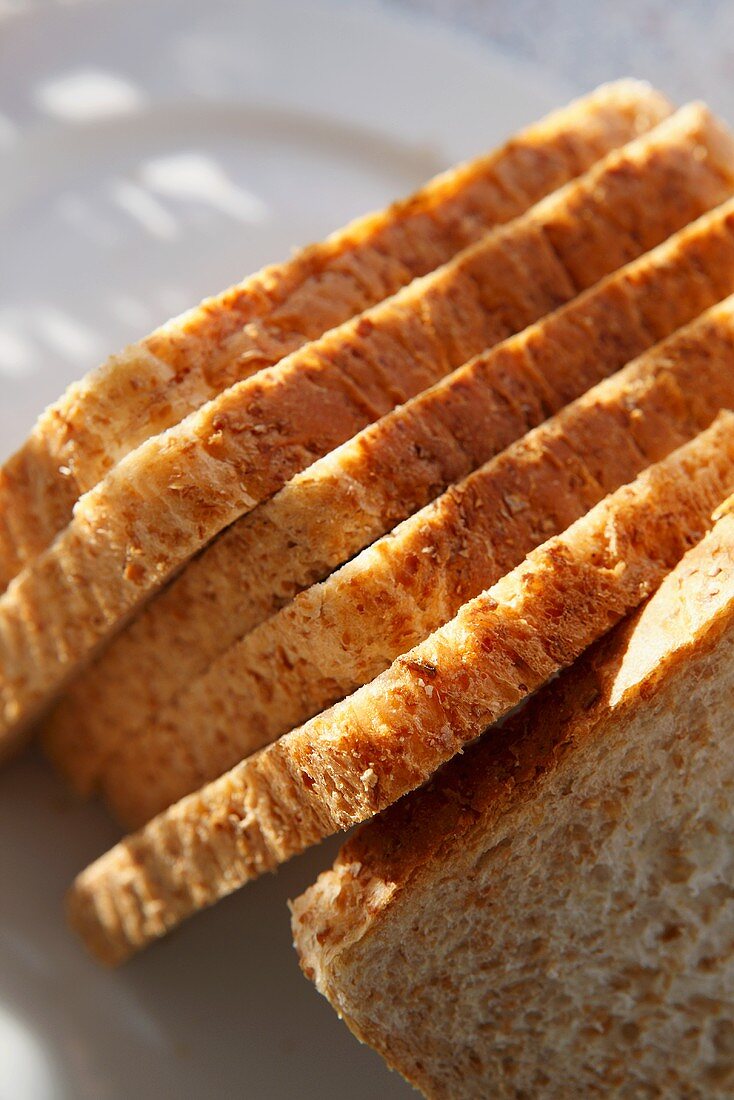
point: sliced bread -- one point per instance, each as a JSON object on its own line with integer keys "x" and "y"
{"x": 158, "y": 381}
{"x": 552, "y": 916}
{"x": 389, "y": 737}
{"x": 167, "y": 499}
{"x": 391, "y": 469}
{"x": 338, "y": 635}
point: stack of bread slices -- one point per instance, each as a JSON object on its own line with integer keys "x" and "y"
{"x": 268, "y": 571}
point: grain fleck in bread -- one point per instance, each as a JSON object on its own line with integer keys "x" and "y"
{"x": 157, "y": 382}
{"x": 552, "y": 916}
{"x": 389, "y": 737}
{"x": 168, "y": 498}
{"x": 391, "y": 469}
{"x": 340, "y": 634}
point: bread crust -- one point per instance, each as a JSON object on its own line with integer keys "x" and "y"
{"x": 171, "y": 496}
{"x": 640, "y": 709}
{"x": 344, "y": 501}
{"x": 385, "y": 740}
{"x": 157, "y": 382}
{"x": 342, "y": 633}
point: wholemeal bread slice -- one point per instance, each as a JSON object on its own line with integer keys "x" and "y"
{"x": 343, "y": 632}
{"x": 366, "y": 752}
{"x": 341, "y": 503}
{"x": 167, "y": 499}
{"x": 157, "y": 382}
{"x": 552, "y": 915}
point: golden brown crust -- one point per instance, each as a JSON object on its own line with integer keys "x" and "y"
{"x": 389, "y": 737}
{"x": 435, "y": 440}
{"x": 157, "y": 382}
{"x": 168, "y": 498}
{"x": 342, "y": 633}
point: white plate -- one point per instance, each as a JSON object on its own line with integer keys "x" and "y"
{"x": 151, "y": 153}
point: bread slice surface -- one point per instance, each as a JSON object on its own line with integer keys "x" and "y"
{"x": 158, "y": 381}
{"x": 171, "y": 496}
{"x": 386, "y": 473}
{"x": 551, "y": 916}
{"x": 349, "y": 763}
{"x": 342, "y": 633}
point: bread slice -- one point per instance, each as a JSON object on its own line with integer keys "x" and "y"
{"x": 167, "y": 499}
{"x": 338, "y": 635}
{"x": 366, "y": 752}
{"x": 391, "y": 469}
{"x": 158, "y": 381}
{"x": 552, "y": 915}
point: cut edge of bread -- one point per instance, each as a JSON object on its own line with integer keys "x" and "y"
{"x": 166, "y": 500}
{"x": 345, "y": 631}
{"x": 76, "y": 728}
{"x": 346, "y": 765}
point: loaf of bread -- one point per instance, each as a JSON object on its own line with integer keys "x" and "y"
{"x": 342, "y": 633}
{"x": 428, "y": 530}
{"x": 389, "y": 737}
{"x": 157, "y": 382}
{"x": 168, "y": 498}
{"x": 551, "y": 917}
{"x": 344, "y": 501}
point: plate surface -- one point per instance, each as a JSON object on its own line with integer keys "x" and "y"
{"x": 151, "y": 153}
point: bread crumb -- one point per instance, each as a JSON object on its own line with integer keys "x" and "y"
{"x": 369, "y": 778}
{"x": 515, "y": 504}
